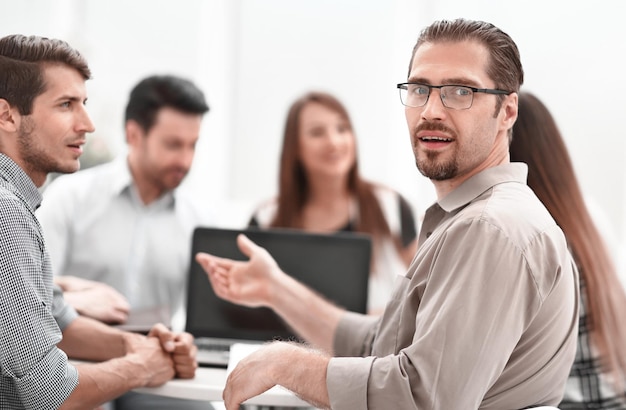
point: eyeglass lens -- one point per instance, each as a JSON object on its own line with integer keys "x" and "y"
{"x": 452, "y": 96}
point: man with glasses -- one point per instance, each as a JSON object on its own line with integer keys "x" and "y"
{"x": 486, "y": 316}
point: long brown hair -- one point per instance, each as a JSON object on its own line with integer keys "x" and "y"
{"x": 293, "y": 184}
{"x": 538, "y": 142}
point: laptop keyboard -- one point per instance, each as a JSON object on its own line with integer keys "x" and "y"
{"x": 213, "y": 345}
{"x": 213, "y": 352}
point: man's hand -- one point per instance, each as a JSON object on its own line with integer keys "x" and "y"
{"x": 94, "y": 299}
{"x": 156, "y": 363}
{"x": 299, "y": 369}
{"x": 252, "y": 375}
{"x": 260, "y": 282}
{"x": 250, "y": 283}
{"x": 181, "y": 348}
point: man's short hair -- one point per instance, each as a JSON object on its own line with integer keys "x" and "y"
{"x": 505, "y": 66}
{"x": 22, "y": 63}
{"x": 160, "y": 91}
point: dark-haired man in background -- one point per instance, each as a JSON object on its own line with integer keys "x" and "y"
{"x": 119, "y": 233}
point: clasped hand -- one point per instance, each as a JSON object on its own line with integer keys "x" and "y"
{"x": 181, "y": 348}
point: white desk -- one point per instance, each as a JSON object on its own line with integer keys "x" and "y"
{"x": 209, "y": 384}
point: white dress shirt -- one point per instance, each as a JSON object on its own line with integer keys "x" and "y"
{"x": 97, "y": 228}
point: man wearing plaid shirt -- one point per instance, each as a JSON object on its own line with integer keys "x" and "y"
{"x": 43, "y": 123}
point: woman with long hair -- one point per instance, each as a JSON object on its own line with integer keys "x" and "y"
{"x": 598, "y": 373}
{"x": 321, "y": 190}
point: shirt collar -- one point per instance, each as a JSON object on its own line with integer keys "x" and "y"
{"x": 481, "y": 182}
{"x": 122, "y": 182}
{"x": 121, "y": 177}
{"x": 24, "y": 185}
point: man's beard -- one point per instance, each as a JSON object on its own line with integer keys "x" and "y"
{"x": 432, "y": 167}
{"x": 34, "y": 156}
{"x": 435, "y": 170}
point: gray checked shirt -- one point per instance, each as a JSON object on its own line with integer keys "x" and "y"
{"x": 35, "y": 373}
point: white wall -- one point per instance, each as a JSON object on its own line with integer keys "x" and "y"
{"x": 253, "y": 57}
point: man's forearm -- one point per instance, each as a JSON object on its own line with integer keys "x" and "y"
{"x": 102, "y": 382}
{"x": 309, "y": 314}
{"x": 137, "y": 361}
{"x": 88, "y": 339}
{"x": 307, "y": 381}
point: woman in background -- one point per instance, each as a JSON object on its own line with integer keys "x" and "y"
{"x": 598, "y": 373}
{"x": 320, "y": 190}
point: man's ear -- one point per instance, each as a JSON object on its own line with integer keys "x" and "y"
{"x": 510, "y": 110}
{"x": 134, "y": 133}
{"x": 8, "y": 117}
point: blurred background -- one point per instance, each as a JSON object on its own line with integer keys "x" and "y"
{"x": 253, "y": 57}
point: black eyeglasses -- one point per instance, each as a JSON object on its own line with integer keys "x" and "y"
{"x": 457, "y": 97}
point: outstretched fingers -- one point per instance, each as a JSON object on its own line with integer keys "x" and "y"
{"x": 218, "y": 272}
{"x": 211, "y": 262}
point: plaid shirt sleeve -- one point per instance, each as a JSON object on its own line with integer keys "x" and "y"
{"x": 590, "y": 384}
{"x": 63, "y": 313}
{"x": 35, "y": 374}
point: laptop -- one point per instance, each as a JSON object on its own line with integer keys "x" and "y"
{"x": 335, "y": 265}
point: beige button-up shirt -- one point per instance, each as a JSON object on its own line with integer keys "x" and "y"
{"x": 486, "y": 316}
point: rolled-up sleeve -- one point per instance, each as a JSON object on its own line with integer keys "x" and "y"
{"x": 346, "y": 379}
{"x": 63, "y": 313}
{"x": 355, "y": 334}
{"x": 48, "y": 384}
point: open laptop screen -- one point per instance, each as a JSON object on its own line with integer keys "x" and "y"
{"x": 335, "y": 265}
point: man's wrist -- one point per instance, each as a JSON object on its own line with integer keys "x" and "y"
{"x": 309, "y": 382}
{"x": 282, "y": 291}
{"x": 129, "y": 340}
{"x": 133, "y": 370}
